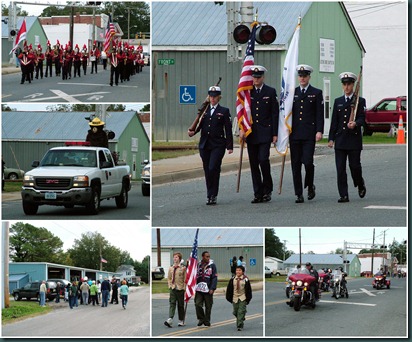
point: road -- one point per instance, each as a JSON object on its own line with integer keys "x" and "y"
{"x": 138, "y": 208}
{"x": 367, "y": 312}
{"x": 88, "y": 320}
{"x": 91, "y": 88}
{"x": 182, "y": 204}
{"x": 222, "y": 321}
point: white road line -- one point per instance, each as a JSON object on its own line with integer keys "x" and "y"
{"x": 367, "y": 292}
{"x": 344, "y": 302}
{"x": 390, "y": 207}
{"x": 121, "y": 85}
{"x": 59, "y": 97}
{"x": 63, "y": 95}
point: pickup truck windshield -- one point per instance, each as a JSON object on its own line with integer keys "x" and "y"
{"x": 80, "y": 158}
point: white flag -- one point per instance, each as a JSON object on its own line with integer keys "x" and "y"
{"x": 287, "y": 94}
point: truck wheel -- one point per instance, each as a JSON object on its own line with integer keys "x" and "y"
{"x": 145, "y": 190}
{"x": 122, "y": 199}
{"x": 30, "y": 208}
{"x": 13, "y": 176}
{"x": 94, "y": 205}
{"x": 16, "y": 297}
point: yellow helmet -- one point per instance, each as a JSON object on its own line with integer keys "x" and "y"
{"x": 96, "y": 122}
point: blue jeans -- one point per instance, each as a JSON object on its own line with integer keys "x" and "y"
{"x": 76, "y": 300}
{"x": 105, "y": 299}
{"x": 42, "y": 298}
{"x": 85, "y": 296}
{"x": 124, "y": 299}
{"x": 72, "y": 301}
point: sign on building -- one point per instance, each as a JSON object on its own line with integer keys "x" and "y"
{"x": 187, "y": 94}
{"x": 327, "y": 55}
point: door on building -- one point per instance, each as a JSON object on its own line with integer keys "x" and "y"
{"x": 327, "y": 106}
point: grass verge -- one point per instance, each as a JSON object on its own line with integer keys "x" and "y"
{"x": 22, "y": 309}
{"x": 13, "y": 186}
{"x": 276, "y": 279}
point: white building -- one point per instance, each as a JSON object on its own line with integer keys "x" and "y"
{"x": 274, "y": 263}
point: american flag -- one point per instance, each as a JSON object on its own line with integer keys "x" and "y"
{"x": 21, "y": 35}
{"x": 110, "y": 32}
{"x": 103, "y": 260}
{"x": 243, "y": 102}
{"x": 191, "y": 271}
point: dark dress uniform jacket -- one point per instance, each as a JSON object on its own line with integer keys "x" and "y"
{"x": 265, "y": 115}
{"x": 248, "y": 290}
{"x": 307, "y": 118}
{"x": 216, "y": 130}
{"x": 345, "y": 138}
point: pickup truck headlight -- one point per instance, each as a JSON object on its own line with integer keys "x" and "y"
{"x": 28, "y": 180}
{"x": 80, "y": 181}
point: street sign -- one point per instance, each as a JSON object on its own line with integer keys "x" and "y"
{"x": 252, "y": 262}
{"x": 187, "y": 94}
{"x": 166, "y": 61}
{"x": 246, "y": 250}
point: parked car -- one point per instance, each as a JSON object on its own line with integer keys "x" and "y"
{"x": 268, "y": 272}
{"x": 32, "y": 290}
{"x": 63, "y": 283}
{"x": 146, "y": 179}
{"x": 280, "y": 272}
{"x": 146, "y": 58}
{"x": 13, "y": 174}
{"x": 384, "y": 114}
{"x": 158, "y": 273}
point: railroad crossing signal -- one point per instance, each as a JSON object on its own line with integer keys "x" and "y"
{"x": 265, "y": 34}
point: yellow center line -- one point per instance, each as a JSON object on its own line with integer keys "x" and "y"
{"x": 278, "y": 302}
{"x": 215, "y": 325}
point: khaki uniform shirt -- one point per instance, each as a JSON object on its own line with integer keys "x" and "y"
{"x": 239, "y": 294}
{"x": 179, "y": 278}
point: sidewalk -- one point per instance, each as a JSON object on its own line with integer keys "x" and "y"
{"x": 6, "y": 70}
{"x": 188, "y": 167}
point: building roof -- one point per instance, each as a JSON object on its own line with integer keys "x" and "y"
{"x": 320, "y": 259}
{"x": 57, "y": 126}
{"x": 273, "y": 258}
{"x": 17, "y": 277}
{"x": 217, "y": 237}
{"x": 208, "y": 24}
{"x": 125, "y": 268}
{"x": 30, "y": 20}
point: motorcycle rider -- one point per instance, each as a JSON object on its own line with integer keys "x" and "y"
{"x": 314, "y": 287}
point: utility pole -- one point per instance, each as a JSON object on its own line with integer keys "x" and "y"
{"x": 384, "y": 252}
{"x": 71, "y": 25}
{"x": 5, "y": 277}
{"x": 373, "y": 246}
{"x": 159, "y": 255}
{"x": 284, "y": 249}
{"x": 300, "y": 250}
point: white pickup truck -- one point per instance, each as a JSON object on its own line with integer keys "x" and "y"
{"x": 75, "y": 175}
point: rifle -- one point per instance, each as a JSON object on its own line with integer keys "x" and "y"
{"x": 355, "y": 98}
{"x": 201, "y": 112}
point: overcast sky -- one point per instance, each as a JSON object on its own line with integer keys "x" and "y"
{"x": 131, "y": 236}
{"x": 324, "y": 240}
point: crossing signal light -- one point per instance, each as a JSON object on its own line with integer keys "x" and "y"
{"x": 241, "y": 34}
{"x": 12, "y": 33}
{"x": 265, "y": 34}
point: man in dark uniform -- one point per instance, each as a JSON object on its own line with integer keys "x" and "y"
{"x": 314, "y": 287}
{"x": 307, "y": 129}
{"x": 265, "y": 117}
{"x": 216, "y": 136}
{"x": 346, "y": 135}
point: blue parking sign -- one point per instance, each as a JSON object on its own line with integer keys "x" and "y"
{"x": 252, "y": 262}
{"x": 187, "y": 94}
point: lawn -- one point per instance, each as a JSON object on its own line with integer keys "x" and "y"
{"x": 13, "y": 186}
{"x": 276, "y": 279}
{"x": 22, "y": 309}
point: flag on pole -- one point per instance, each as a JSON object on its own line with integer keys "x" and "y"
{"x": 191, "y": 273}
{"x": 110, "y": 32}
{"x": 103, "y": 260}
{"x": 21, "y": 35}
{"x": 243, "y": 102}
{"x": 287, "y": 94}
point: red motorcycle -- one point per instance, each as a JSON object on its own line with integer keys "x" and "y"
{"x": 301, "y": 291}
{"x": 324, "y": 280}
{"x": 380, "y": 281}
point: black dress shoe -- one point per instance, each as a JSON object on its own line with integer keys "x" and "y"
{"x": 266, "y": 198}
{"x": 257, "y": 200}
{"x": 343, "y": 199}
{"x": 311, "y": 192}
{"x": 362, "y": 191}
{"x": 213, "y": 200}
{"x": 208, "y": 201}
{"x": 299, "y": 199}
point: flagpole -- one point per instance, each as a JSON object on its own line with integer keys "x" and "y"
{"x": 242, "y": 145}
{"x": 281, "y": 174}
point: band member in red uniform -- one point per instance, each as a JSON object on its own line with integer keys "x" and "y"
{"x": 49, "y": 59}
{"x": 26, "y": 59}
{"x": 94, "y": 57}
{"x": 84, "y": 57}
{"x": 39, "y": 62}
{"x": 114, "y": 65}
{"x": 57, "y": 58}
{"x": 76, "y": 61}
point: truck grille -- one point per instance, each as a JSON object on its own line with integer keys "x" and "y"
{"x": 53, "y": 183}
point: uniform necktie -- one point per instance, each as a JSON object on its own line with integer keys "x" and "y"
{"x": 212, "y": 110}
{"x": 174, "y": 274}
{"x": 303, "y": 91}
{"x": 347, "y": 99}
{"x": 258, "y": 90}
{"x": 237, "y": 284}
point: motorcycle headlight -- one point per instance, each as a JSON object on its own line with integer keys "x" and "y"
{"x": 306, "y": 284}
{"x": 28, "y": 181}
{"x": 293, "y": 283}
{"x": 80, "y": 181}
{"x": 299, "y": 283}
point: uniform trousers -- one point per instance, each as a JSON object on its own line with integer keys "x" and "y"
{"x": 260, "y": 168}
{"x": 301, "y": 152}
{"x": 239, "y": 311}
{"x": 176, "y": 297}
{"x": 354, "y": 157}
{"x": 212, "y": 161}
{"x": 205, "y": 299}
{"x": 114, "y": 71}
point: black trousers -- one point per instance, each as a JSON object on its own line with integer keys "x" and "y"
{"x": 212, "y": 161}
{"x": 94, "y": 66}
{"x": 114, "y": 71}
{"x": 301, "y": 152}
{"x": 76, "y": 65}
{"x": 84, "y": 64}
{"x": 260, "y": 168}
{"x": 354, "y": 157}
{"x": 39, "y": 69}
{"x": 49, "y": 67}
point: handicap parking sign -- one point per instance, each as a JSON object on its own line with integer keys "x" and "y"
{"x": 252, "y": 262}
{"x": 187, "y": 94}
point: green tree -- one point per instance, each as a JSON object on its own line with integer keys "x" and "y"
{"x": 273, "y": 246}
{"x": 59, "y": 108}
{"x": 310, "y": 252}
{"x": 116, "y": 108}
{"x": 340, "y": 251}
{"x": 19, "y": 11}
{"x": 398, "y": 250}
{"x": 32, "y": 244}
{"x": 146, "y": 108}
{"x": 142, "y": 269}
{"x": 82, "y": 107}
{"x": 86, "y": 252}
{"x": 6, "y": 108}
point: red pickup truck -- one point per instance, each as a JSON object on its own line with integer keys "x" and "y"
{"x": 384, "y": 114}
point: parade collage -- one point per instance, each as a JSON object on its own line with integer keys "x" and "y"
{"x": 204, "y": 169}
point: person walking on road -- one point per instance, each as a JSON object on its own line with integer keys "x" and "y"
{"x": 124, "y": 293}
{"x": 206, "y": 284}
{"x": 85, "y": 292}
{"x": 93, "y": 293}
{"x": 43, "y": 290}
{"x": 105, "y": 292}
{"x": 176, "y": 282}
{"x": 239, "y": 293}
{"x": 72, "y": 294}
